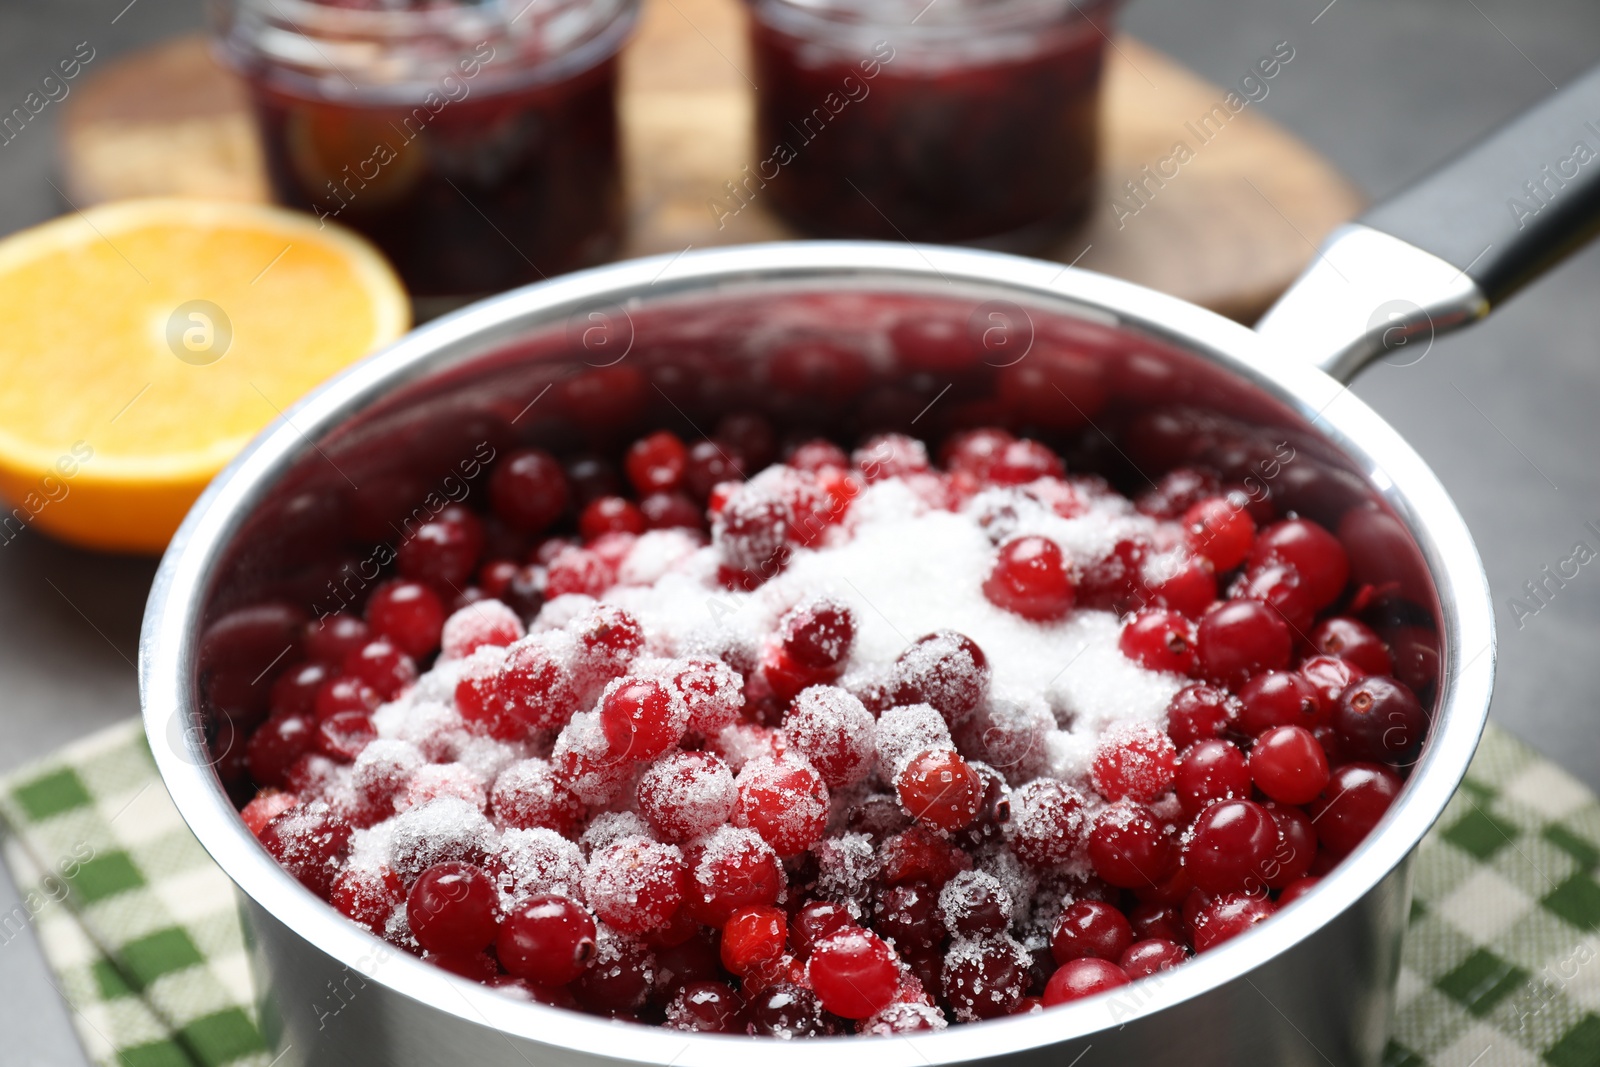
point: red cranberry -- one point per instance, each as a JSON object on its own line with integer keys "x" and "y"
{"x": 1130, "y": 848}
{"x": 1020, "y": 462}
{"x": 548, "y": 939}
{"x": 818, "y": 633}
{"x": 265, "y": 806}
{"x": 1144, "y": 958}
{"x": 443, "y": 551}
{"x": 640, "y": 719}
{"x": 704, "y": 1007}
{"x": 853, "y": 973}
{"x": 975, "y": 451}
{"x": 382, "y": 666}
{"x": 655, "y": 464}
{"x": 1177, "y": 492}
{"x": 344, "y": 734}
{"x": 309, "y": 842}
{"x": 1090, "y": 928}
{"x": 1030, "y": 579}
{"x": 890, "y": 455}
{"x": 671, "y": 511}
{"x": 1330, "y": 676}
{"x": 711, "y": 464}
{"x": 1278, "y": 698}
{"x": 1297, "y": 850}
{"x": 732, "y": 868}
{"x": 814, "y": 921}
{"x": 453, "y": 908}
{"x": 1163, "y": 922}
{"x": 1381, "y": 719}
{"x": 908, "y": 914}
{"x": 1200, "y": 713}
{"x": 635, "y": 884}
{"x": 1186, "y": 586}
{"x": 1351, "y": 640}
{"x": 945, "y": 670}
{"x": 921, "y": 854}
{"x": 1211, "y": 771}
{"x": 750, "y": 436}
{"x": 1228, "y": 916}
{"x": 618, "y": 981}
{"x": 1081, "y": 978}
{"x": 834, "y": 731}
{"x": 973, "y": 904}
{"x": 1297, "y": 567}
{"x": 1355, "y": 800}
{"x": 295, "y": 691}
{"x": 590, "y": 476}
{"x": 1240, "y": 639}
{"x": 529, "y": 794}
{"x": 408, "y": 613}
{"x": 818, "y": 455}
{"x": 610, "y": 514}
{"x": 1160, "y": 641}
{"x": 368, "y": 897}
{"x": 476, "y": 966}
{"x": 1220, "y": 530}
{"x": 784, "y": 1010}
{"x": 938, "y": 788}
{"x": 345, "y": 694}
{"x": 529, "y": 490}
{"x": 753, "y": 939}
{"x": 275, "y": 745}
{"x": 1288, "y": 765}
{"x": 333, "y": 637}
{"x": 1046, "y": 823}
{"x": 985, "y": 978}
{"x": 1134, "y": 762}
{"x": 1229, "y": 846}
{"x": 686, "y": 795}
{"x": 1295, "y": 890}
{"x": 783, "y": 800}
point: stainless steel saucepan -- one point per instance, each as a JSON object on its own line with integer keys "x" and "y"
{"x": 844, "y": 338}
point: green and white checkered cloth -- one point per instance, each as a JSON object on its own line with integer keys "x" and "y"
{"x": 1501, "y": 966}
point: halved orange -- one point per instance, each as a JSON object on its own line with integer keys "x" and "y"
{"x": 146, "y": 341}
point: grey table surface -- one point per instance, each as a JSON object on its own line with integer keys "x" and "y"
{"x": 1385, "y": 88}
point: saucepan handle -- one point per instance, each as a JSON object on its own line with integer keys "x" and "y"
{"x": 1443, "y": 252}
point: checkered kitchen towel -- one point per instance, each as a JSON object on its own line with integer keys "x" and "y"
{"x": 1501, "y": 967}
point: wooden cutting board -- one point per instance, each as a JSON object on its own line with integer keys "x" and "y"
{"x": 1230, "y": 231}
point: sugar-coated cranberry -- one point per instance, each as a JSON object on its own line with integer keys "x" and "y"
{"x": 784, "y": 1010}
{"x": 342, "y": 735}
{"x": 486, "y": 623}
{"x": 1329, "y": 676}
{"x": 671, "y": 511}
{"x": 382, "y": 666}
{"x": 640, "y": 719}
{"x": 529, "y": 794}
{"x": 908, "y": 914}
{"x": 704, "y": 1007}
{"x": 1229, "y": 847}
{"x": 1144, "y": 958}
{"x": 344, "y": 694}
{"x": 295, "y": 691}
{"x": 1200, "y": 713}
{"x": 1220, "y": 530}
{"x": 1090, "y": 928}
{"x": 330, "y": 639}
{"x": 635, "y": 884}
{"x": 265, "y": 806}
{"x": 921, "y": 854}
{"x": 784, "y": 800}
{"x": 1030, "y": 579}
{"x": 1046, "y": 823}
{"x": 310, "y": 842}
{"x": 275, "y": 745}
{"x": 453, "y": 908}
{"x": 1355, "y": 800}
{"x": 1160, "y": 641}
{"x": 890, "y": 455}
{"x": 368, "y": 896}
{"x": 547, "y": 939}
{"x": 1134, "y": 761}
{"x": 1381, "y": 719}
{"x": 408, "y": 613}
{"x": 1108, "y": 583}
{"x": 1228, "y": 916}
{"x": 686, "y": 795}
{"x": 1211, "y": 771}
{"x": 1352, "y": 640}
{"x": 714, "y": 692}
{"x": 729, "y": 869}
{"x": 656, "y": 463}
{"x": 945, "y": 670}
{"x": 444, "y": 550}
{"x": 975, "y": 451}
{"x": 853, "y": 973}
{"x": 1130, "y": 847}
{"x": 1295, "y": 890}
{"x": 610, "y": 514}
{"x": 1288, "y": 765}
{"x": 939, "y": 788}
{"x": 1278, "y": 698}
{"x": 1020, "y": 462}
{"x": 529, "y": 490}
{"x": 619, "y": 979}
{"x": 985, "y": 978}
{"x": 818, "y": 632}
{"x": 833, "y": 730}
{"x": 816, "y": 455}
{"x": 1081, "y": 978}
{"x": 1240, "y": 639}
{"x": 1177, "y": 491}
{"x": 975, "y": 904}
{"x": 1297, "y": 849}
{"x": 753, "y": 940}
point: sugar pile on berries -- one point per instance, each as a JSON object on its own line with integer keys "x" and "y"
{"x": 856, "y": 743}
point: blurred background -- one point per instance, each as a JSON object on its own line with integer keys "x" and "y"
{"x": 1383, "y": 89}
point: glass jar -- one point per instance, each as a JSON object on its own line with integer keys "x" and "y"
{"x": 475, "y": 143}
{"x": 951, "y": 121}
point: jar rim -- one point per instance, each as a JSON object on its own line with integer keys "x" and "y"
{"x": 928, "y": 20}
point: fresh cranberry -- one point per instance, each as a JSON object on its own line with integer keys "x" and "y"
{"x": 453, "y": 908}
{"x": 1228, "y": 916}
{"x": 975, "y": 452}
{"x": 1240, "y": 639}
{"x": 731, "y": 868}
{"x": 1288, "y": 765}
{"x": 1209, "y": 771}
{"x": 750, "y": 436}
{"x": 529, "y": 490}
{"x": 985, "y": 978}
{"x": 443, "y": 551}
{"x": 1278, "y": 698}
{"x": 1186, "y": 586}
{"x": 275, "y": 745}
{"x": 295, "y": 691}
{"x": 670, "y": 511}
{"x": 1177, "y": 491}
{"x": 330, "y": 639}
{"x": 704, "y": 1007}
{"x": 655, "y": 464}
{"x": 408, "y": 613}
{"x": 1109, "y": 583}
{"x": 937, "y": 787}
{"x": 1219, "y": 530}
{"x": 345, "y": 694}
{"x": 817, "y": 455}
{"x": 1046, "y": 823}
{"x": 1020, "y": 462}
{"x": 1081, "y": 978}
{"x": 1229, "y": 846}
{"x": 1297, "y": 567}
{"x": 381, "y": 666}
{"x": 1129, "y": 847}
{"x": 343, "y": 735}
{"x": 1144, "y": 958}
{"x": 890, "y": 455}
{"x": 1297, "y": 849}
{"x": 578, "y": 570}
{"x": 1295, "y": 890}
{"x": 265, "y": 806}
{"x": 686, "y": 795}
{"x": 945, "y": 670}
{"x": 973, "y": 904}
{"x": 635, "y": 884}
{"x": 818, "y": 633}
{"x": 908, "y": 914}
{"x": 784, "y": 1010}
{"x": 368, "y": 896}
{"x": 1163, "y": 922}
{"x": 309, "y": 842}
{"x": 753, "y": 939}
{"x": 1160, "y": 641}
{"x": 1200, "y": 713}
{"x": 547, "y": 939}
{"x": 590, "y": 476}
{"x": 784, "y": 800}
{"x": 618, "y": 981}
{"x": 921, "y": 854}
{"x": 1351, "y": 640}
{"x": 1381, "y": 719}
{"x": 815, "y": 920}
{"x": 1090, "y": 928}
{"x": 1330, "y": 676}
{"x": 853, "y": 973}
{"x": 1134, "y": 762}
{"x": 1030, "y": 579}
{"x": 1354, "y": 801}
{"x": 711, "y": 464}
{"x": 640, "y": 719}
{"x": 476, "y": 966}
